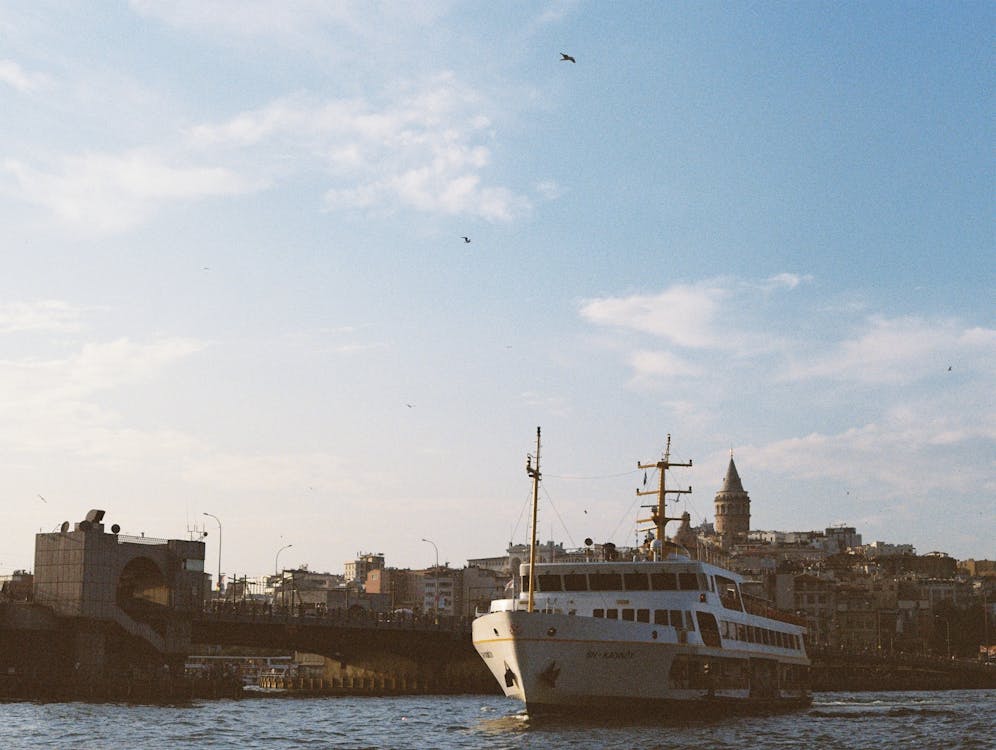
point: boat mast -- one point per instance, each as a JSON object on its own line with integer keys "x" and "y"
{"x": 533, "y": 472}
{"x": 658, "y": 514}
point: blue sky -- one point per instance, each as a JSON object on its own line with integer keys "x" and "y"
{"x": 234, "y": 279}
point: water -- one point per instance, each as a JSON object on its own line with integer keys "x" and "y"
{"x": 950, "y": 719}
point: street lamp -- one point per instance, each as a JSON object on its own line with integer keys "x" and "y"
{"x": 435, "y": 580}
{"x": 219, "y": 546}
{"x": 275, "y": 559}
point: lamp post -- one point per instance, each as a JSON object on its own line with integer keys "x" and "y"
{"x": 435, "y": 581}
{"x": 275, "y": 559}
{"x": 219, "y": 546}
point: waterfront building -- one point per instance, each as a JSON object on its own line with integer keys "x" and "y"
{"x": 356, "y": 570}
{"x": 403, "y": 586}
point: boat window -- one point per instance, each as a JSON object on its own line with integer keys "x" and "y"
{"x": 660, "y": 617}
{"x": 575, "y": 582}
{"x": 549, "y": 582}
{"x": 741, "y": 632}
{"x": 605, "y": 581}
{"x": 636, "y": 581}
{"x": 643, "y": 615}
{"x": 598, "y": 613}
{"x": 689, "y": 621}
{"x": 663, "y": 582}
{"x": 629, "y": 615}
{"x": 703, "y": 581}
{"x": 676, "y": 619}
{"x": 709, "y": 629}
{"x": 728, "y": 593}
{"x": 612, "y": 614}
{"x": 688, "y": 581}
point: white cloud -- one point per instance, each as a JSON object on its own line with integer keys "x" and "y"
{"x": 657, "y": 364}
{"x": 684, "y": 314}
{"x": 301, "y": 21}
{"x": 899, "y": 350}
{"x": 42, "y": 315}
{"x": 94, "y": 367}
{"x": 786, "y": 281}
{"x": 107, "y": 193}
{"x": 15, "y": 76}
{"x": 893, "y": 457}
{"x": 426, "y": 149}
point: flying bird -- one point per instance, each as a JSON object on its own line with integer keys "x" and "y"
{"x": 466, "y": 239}
{"x": 949, "y": 368}
{"x": 564, "y": 57}
{"x": 43, "y": 499}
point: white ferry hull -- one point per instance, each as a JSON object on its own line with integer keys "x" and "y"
{"x": 556, "y": 663}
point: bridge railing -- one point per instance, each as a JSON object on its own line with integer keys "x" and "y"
{"x": 358, "y": 618}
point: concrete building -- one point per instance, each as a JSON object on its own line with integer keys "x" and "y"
{"x": 356, "y": 570}
{"x": 148, "y": 587}
{"x": 405, "y": 588}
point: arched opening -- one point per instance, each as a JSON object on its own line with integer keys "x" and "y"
{"x": 142, "y": 591}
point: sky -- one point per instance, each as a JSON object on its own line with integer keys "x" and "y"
{"x": 235, "y": 281}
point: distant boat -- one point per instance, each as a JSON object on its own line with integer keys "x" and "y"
{"x": 659, "y": 634}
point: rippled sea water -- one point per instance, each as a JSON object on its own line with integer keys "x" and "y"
{"x": 921, "y": 720}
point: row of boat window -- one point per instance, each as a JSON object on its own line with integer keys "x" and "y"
{"x": 683, "y": 620}
{"x": 673, "y": 617}
{"x": 662, "y": 581}
{"x": 737, "y": 631}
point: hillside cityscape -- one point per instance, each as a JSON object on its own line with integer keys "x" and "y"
{"x": 880, "y": 597}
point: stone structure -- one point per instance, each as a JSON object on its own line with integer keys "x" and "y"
{"x": 149, "y": 588}
{"x": 732, "y": 509}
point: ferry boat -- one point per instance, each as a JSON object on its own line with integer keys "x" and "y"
{"x": 659, "y": 634}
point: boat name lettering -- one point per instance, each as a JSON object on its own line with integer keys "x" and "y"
{"x": 610, "y": 655}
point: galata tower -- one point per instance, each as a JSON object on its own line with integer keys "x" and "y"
{"x": 732, "y": 508}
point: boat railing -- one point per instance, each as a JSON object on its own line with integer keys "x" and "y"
{"x": 764, "y": 609}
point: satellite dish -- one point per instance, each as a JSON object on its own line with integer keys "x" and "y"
{"x": 84, "y": 525}
{"x": 588, "y": 542}
{"x": 115, "y": 529}
{"x": 64, "y": 528}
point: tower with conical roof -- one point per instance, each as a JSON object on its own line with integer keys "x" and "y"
{"x": 732, "y": 508}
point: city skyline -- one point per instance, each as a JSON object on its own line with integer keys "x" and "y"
{"x": 322, "y": 271}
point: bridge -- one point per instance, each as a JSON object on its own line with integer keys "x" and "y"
{"x": 366, "y": 640}
{"x": 113, "y": 607}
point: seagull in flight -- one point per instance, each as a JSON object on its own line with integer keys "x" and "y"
{"x": 466, "y": 239}
{"x": 564, "y": 57}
